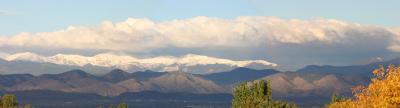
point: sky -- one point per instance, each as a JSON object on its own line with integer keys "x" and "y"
{"x": 50, "y": 15}
{"x": 291, "y": 33}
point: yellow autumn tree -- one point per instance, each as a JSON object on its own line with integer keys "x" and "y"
{"x": 382, "y": 92}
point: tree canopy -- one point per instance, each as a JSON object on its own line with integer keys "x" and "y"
{"x": 256, "y": 94}
{"x": 382, "y": 92}
{"x": 10, "y": 101}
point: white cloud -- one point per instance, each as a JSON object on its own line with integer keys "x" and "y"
{"x": 395, "y": 44}
{"x": 141, "y": 35}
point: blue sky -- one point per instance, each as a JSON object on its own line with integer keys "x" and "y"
{"x": 322, "y": 32}
{"x": 50, "y": 15}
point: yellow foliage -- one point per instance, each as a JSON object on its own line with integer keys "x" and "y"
{"x": 382, "y": 92}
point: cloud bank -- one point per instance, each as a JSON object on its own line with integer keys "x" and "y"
{"x": 140, "y": 35}
{"x": 285, "y": 41}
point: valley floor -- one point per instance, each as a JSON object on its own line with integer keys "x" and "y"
{"x": 146, "y": 99}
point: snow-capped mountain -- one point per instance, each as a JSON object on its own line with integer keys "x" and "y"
{"x": 189, "y": 63}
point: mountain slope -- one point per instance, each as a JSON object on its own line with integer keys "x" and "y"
{"x": 10, "y": 80}
{"x": 183, "y": 82}
{"x": 111, "y": 84}
{"x": 238, "y": 75}
{"x": 146, "y": 75}
{"x": 312, "y": 84}
{"x": 132, "y": 85}
{"x": 365, "y": 70}
{"x": 70, "y": 81}
{"x": 116, "y": 75}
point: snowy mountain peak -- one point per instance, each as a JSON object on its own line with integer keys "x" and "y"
{"x": 126, "y": 62}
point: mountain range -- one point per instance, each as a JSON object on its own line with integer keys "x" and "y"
{"x": 111, "y": 84}
{"x": 310, "y": 81}
{"x": 97, "y": 64}
{"x": 117, "y": 82}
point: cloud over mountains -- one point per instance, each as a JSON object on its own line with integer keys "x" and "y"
{"x": 140, "y": 35}
{"x": 314, "y": 41}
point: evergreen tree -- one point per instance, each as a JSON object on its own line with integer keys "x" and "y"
{"x": 256, "y": 94}
{"x": 122, "y": 105}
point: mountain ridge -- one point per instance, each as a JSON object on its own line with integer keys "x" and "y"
{"x": 365, "y": 69}
{"x": 110, "y": 84}
{"x": 125, "y": 62}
